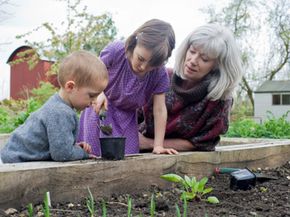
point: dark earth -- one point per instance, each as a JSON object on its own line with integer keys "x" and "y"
{"x": 268, "y": 198}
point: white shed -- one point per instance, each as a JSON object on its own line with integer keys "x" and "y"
{"x": 273, "y": 96}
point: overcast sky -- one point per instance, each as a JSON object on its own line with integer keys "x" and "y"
{"x": 25, "y": 15}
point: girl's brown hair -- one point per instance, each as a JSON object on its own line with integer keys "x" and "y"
{"x": 155, "y": 35}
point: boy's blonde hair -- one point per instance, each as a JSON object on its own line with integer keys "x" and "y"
{"x": 83, "y": 67}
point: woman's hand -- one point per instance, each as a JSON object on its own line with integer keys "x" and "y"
{"x": 100, "y": 103}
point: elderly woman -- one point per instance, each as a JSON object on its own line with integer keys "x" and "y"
{"x": 207, "y": 69}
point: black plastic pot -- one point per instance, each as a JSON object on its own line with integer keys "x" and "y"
{"x": 113, "y": 148}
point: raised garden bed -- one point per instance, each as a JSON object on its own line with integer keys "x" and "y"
{"x": 68, "y": 182}
{"x": 269, "y": 198}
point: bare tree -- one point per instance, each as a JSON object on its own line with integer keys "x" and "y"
{"x": 263, "y": 33}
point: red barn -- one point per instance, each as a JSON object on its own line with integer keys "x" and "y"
{"x": 22, "y": 79}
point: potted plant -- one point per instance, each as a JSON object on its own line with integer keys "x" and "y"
{"x": 112, "y": 147}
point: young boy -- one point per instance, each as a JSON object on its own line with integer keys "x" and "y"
{"x": 50, "y": 132}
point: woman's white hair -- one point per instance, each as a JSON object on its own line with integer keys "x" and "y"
{"x": 216, "y": 42}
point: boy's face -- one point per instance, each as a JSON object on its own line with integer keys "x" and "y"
{"x": 82, "y": 97}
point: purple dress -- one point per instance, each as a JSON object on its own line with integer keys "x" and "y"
{"x": 125, "y": 93}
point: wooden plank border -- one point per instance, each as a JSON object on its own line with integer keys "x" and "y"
{"x": 25, "y": 183}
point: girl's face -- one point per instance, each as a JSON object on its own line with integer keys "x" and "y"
{"x": 140, "y": 60}
{"x": 197, "y": 64}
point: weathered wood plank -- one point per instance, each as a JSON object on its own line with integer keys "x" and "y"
{"x": 3, "y": 139}
{"x": 23, "y": 183}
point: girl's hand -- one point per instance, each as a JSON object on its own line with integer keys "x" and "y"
{"x": 101, "y": 102}
{"x": 161, "y": 150}
{"x": 86, "y": 147}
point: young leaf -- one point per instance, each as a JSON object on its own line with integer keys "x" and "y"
{"x": 213, "y": 200}
{"x": 187, "y": 181}
{"x": 172, "y": 178}
{"x": 193, "y": 181}
{"x": 201, "y": 184}
{"x": 207, "y": 190}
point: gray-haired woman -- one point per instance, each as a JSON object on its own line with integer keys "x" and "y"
{"x": 207, "y": 69}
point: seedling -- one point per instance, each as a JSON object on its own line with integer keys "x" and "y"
{"x": 91, "y": 203}
{"x": 47, "y": 204}
{"x": 104, "y": 209}
{"x": 30, "y": 210}
{"x": 192, "y": 189}
{"x": 129, "y": 207}
{"x": 152, "y": 206}
{"x": 178, "y": 213}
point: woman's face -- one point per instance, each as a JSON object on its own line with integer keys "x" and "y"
{"x": 197, "y": 64}
{"x": 140, "y": 60}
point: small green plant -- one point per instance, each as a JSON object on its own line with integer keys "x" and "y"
{"x": 104, "y": 209}
{"x": 30, "y": 209}
{"x": 152, "y": 206}
{"x": 46, "y": 209}
{"x": 91, "y": 203}
{"x": 192, "y": 189}
{"x": 263, "y": 189}
{"x": 129, "y": 207}
{"x": 178, "y": 213}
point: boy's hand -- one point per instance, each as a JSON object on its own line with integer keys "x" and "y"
{"x": 161, "y": 150}
{"x": 85, "y": 146}
{"x": 92, "y": 156}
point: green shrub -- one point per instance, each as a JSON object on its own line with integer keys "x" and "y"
{"x": 14, "y": 112}
{"x": 278, "y": 128}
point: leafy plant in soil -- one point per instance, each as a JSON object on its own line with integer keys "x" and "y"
{"x": 192, "y": 188}
{"x": 268, "y": 199}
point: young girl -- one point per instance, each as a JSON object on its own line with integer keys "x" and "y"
{"x": 136, "y": 72}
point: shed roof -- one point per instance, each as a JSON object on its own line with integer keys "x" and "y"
{"x": 21, "y": 48}
{"x": 274, "y": 87}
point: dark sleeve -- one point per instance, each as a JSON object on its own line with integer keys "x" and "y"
{"x": 216, "y": 125}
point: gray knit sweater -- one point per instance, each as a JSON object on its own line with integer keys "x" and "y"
{"x": 48, "y": 134}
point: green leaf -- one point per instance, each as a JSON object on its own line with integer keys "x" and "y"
{"x": 213, "y": 200}
{"x": 178, "y": 214}
{"x": 207, "y": 190}
{"x": 187, "y": 181}
{"x": 193, "y": 181}
{"x": 172, "y": 178}
{"x": 201, "y": 184}
{"x": 189, "y": 195}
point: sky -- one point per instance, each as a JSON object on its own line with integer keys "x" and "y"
{"x": 128, "y": 15}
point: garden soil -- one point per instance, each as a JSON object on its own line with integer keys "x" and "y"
{"x": 269, "y": 198}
